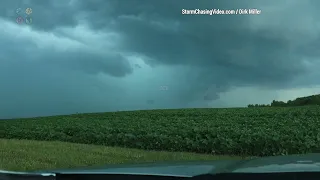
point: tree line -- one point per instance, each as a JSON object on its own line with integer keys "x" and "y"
{"x": 300, "y": 101}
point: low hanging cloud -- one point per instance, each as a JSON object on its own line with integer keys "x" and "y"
{"x": 225, "y": 49}
{"x": 88, "y": 56}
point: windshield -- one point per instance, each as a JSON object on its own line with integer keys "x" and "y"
{"x": 93, "y": 83}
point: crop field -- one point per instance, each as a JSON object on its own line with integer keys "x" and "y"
{"x": 232, "y": 131}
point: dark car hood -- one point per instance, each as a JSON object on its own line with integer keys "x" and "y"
{"x": 290, "y": 163}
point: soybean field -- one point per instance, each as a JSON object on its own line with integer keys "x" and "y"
{"x": 233, "y": 131}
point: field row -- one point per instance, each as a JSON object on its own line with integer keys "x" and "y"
{"x": 242, "y": 131}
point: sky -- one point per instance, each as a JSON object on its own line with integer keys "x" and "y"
{"x": 112, "y": 55}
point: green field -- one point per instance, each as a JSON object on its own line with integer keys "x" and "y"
{"x": 22, "y": 155}
{"x": 232, "y": 131}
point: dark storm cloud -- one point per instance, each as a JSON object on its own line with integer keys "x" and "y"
{"x": 49, "y": 16}
{"x": 44, "y": 75}
{"x": 79, "y": 59}
{"x": 200, "y": 56}
{"x": 248, "y": 56}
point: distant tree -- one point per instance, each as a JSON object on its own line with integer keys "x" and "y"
{"x": 258, "y": 105}
{"x": 300, "y": 101}
{"x": 278, "y": 103}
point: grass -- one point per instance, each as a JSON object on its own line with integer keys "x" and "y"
{"x": 23, "y": 155}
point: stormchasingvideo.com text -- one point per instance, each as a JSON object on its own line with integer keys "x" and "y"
{"x": 220, "y": 12}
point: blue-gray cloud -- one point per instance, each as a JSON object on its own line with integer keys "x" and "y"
{"x": 97, "y": 55}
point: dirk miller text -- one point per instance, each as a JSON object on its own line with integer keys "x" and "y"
{"x": 220, "y": 12}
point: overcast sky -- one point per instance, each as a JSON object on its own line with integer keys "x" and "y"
{"x": 108, "y": 55}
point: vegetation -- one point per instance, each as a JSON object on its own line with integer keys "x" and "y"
{"x": 236, "y": 131}
{"x": 22, "y": 155}
{"x": 301, "y": 101}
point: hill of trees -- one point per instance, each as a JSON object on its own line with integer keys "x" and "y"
{"x": 301, "y": 101}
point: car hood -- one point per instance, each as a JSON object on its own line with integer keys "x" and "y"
{"x": 290, "y": 163}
